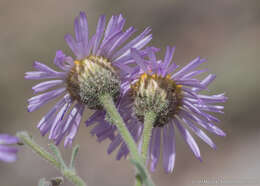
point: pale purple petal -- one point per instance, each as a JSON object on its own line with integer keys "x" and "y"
{"x": 120, "y": 41}
{"x": 43, "y": 75}
{"x": 39, "y": 100}
{"x": 46, "y": 122}
{"x": 208, "y": 126}
{"x": 167, "y": 59}
{"x": 114, "y": 144}
{"x": 188, "y": 138}
{"x": 155, "y": 148}
{"x": 8, "y": 154}
{"x": 46, "y": 85}
{"x": 97, "y": 116}
{"x": 137, "y": 57}
{"x": 73, "y": 46}
{"x": 168, "y": 147}
{"x": 193, "y": 73}
{"x": 73, "y": 131}
{"x": 99, "y": 32}
{"x": 62, "y": 61}
{"x": 58, "y": 120}
{"x": 7, "y": 139}
{"x": 104, "y": 47}
{"x": 199, "y": 132}
{"x": 132, "y": 43}
{"x": 193, "y": 64}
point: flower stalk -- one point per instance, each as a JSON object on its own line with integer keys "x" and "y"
{"x": 136, "y": 158}
{"x": 149, "y": 120}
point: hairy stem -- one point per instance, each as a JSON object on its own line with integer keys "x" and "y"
{"x": 149, "y": 119}
{"x": 109, "y": 106}
{"x": 56, "y": 160}
{"x": 137, "y": 160}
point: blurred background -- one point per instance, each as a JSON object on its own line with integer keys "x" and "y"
{"x": 226, "y": 32}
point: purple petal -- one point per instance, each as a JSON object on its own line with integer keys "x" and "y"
{"x": 58, "y": 120}
{"x": 45, "y": 123}
{"x": 104, "y": 47}
{"x": 167, "y": 59}
{"x": 208, "y": 126}
{"x": 120, "y": 40}
{"x": 107, "y": 133}
{"x": 142, "y": 38}
{"x": 73, "y": 131}
{"x": 100, "y": 128}
{"x": 44, "y": 68}
{"x": 44, "y": 75}
{"x": 193, "y": 73}
{"x": 155, "y": 148}
{"x": 46, "y": 85}
{"x": 193, "y": 64}
{"x": 219, "y": 98}
{"x": 188, "y": 138}
{"x": 122, "y": 151}
{"x": 99, "y": 32}
{"x": 70, "y": 118}
{"x": 8, "y": 154}
{"x": 39, "y": 100}
{"x": 62, "y": 61}
{"x": 73, "y": 46}
{"x": 196, "y": 110}
{"x": 7, "y": 139}
{"x": 137, "y": 57}
{"x": 168, "y": 147}
{"x": 211, "y": 108}
{"x": 114, "y": 144}
{"x": 82, "y": 29}
{"x": 109, "y": 28}
{"x": 199, "y": 132}
{"x": 190, "y": 83}
{"x": 98, "y": 115}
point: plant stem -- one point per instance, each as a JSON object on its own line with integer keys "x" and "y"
{"x": 70, "y": 174}
{"x": 137, "y": 160}
{"x": 26, "y": 139}
{"x": 149, "y": 119}
{"x": 109, "y": 106}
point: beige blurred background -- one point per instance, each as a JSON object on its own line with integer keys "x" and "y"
{"x": 226, "y": 32}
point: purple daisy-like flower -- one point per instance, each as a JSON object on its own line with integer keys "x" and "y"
{"x": 174, "y": 96}
{"x": 7, "y": 152}
{"x": 100, "y": 61}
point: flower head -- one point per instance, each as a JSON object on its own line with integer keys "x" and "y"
{"x": 174, "y": 96}
{"x": 99, "y": 65}
{"x": 7, "y": 152}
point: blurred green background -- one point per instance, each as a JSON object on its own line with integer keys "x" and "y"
{"x": 226, "y": 32}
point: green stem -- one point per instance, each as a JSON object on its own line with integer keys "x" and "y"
{"x": 57, "y": 162}
{"x": 73, "y": 156}
{"x": 109, "y": 106}
{"x": 149, "y": 119}
{"x": 26, "y": 139}
{"x": 137, "y": 160}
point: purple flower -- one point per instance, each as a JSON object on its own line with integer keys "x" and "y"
{"x": 7, "y": 152}
{"x": 174, "y": 95}
{"x": 80, "y": 80}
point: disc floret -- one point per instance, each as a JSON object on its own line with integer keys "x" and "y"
{"x": 158, "y": 94}
{"x": 91, "y": 78}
